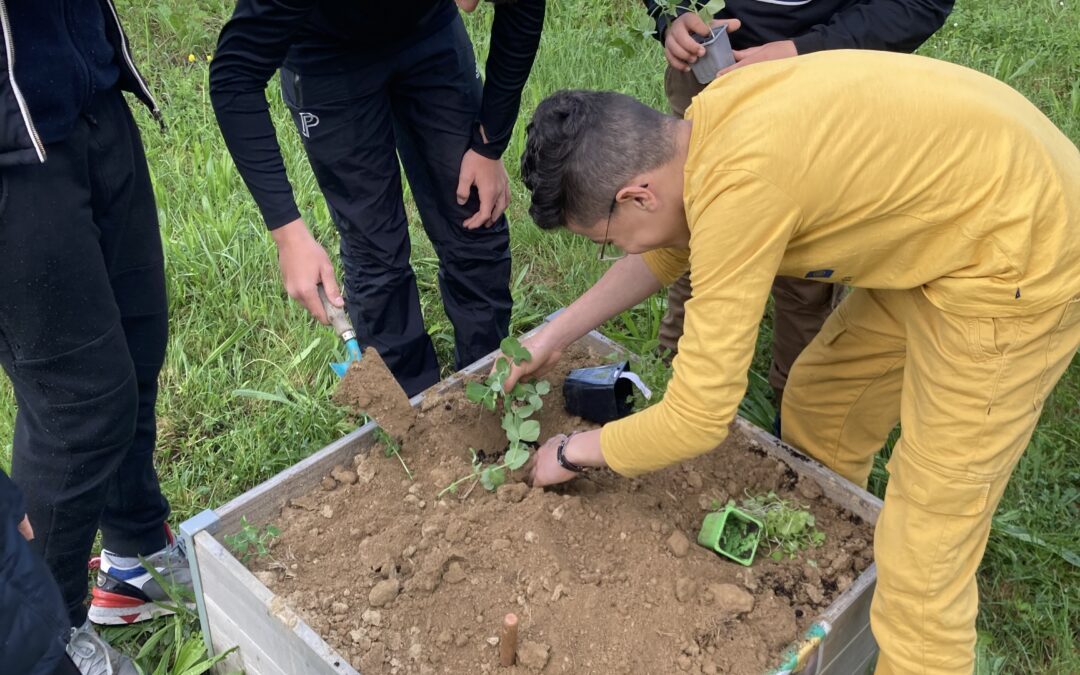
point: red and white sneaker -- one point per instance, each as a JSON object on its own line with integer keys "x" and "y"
{"x": 128, "y": 594}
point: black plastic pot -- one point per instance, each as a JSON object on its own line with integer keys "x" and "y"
{"x": 718, "y": 55}
{"x": 598, "y": 394}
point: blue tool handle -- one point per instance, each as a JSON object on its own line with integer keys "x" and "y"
{"x": 338, "y": 318}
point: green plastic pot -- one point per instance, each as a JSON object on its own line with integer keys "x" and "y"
{"x": 713, "y": 528}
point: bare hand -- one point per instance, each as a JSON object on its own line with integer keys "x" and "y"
{"x": 467, "y": 6}
{"x": 304, "y": 265}
{"x": 544, "y": 355}
{"x": 680, "y": 47}
{"x": 543, "y": 467}
{"x": 781, "y": 49}
{"x": 492, "y": 184}
{"x": 25, "y": 529}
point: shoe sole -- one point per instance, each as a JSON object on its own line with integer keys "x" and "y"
{"x": 113, "y": 609}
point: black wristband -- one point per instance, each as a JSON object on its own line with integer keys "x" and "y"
{"x": 561, "y": 457}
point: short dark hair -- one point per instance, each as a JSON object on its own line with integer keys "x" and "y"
{"x": 583, "y": 146}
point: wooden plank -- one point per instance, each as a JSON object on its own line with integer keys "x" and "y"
{"x": 258, "y": 620}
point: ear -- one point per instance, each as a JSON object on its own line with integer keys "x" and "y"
{"x": 640, "y": 195}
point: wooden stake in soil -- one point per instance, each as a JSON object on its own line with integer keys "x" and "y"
{"x": 508, "y": 641}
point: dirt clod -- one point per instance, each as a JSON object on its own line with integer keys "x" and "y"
{"x": 512, "y": 493}
{"x": 678, "y": 544}
{"x": 533, "y": 655}
{"x": 685, "y": 588}
{"x": 731, "y": 600}
{"x": 384, "y": 592}
{"x": 343, "y": 475}
{"x": 454, "y": 574}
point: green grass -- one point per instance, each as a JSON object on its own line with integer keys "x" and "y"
{"x": 245, "y": 390}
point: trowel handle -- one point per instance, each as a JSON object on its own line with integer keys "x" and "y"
{"x": 337, "y": 316}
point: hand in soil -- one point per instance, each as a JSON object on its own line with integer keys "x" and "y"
{"x": 583, "y": 450}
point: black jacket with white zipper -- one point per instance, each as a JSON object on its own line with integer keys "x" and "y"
{"x": 19, "y": 140}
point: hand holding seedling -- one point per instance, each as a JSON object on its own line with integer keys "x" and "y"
{"x": 781, "y": 49}
{"x": 543, "y": 354}
{"x": 680, "y": 47}
{"x": 304, "y": 265}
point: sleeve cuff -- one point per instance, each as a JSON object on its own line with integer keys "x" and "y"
{"x": 809, "y": 43}
{"x": 277, "y": 218}
{"x": 477, "y": 144}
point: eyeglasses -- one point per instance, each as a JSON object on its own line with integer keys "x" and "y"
{"x": 608, "y": 251}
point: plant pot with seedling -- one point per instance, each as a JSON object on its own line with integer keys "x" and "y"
{"x": 718, "y": 55}
{"x": 731, "y": 533}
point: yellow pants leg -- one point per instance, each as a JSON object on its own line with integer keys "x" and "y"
{"x": 843, "y": 392}
{"x": 972, "y": 392}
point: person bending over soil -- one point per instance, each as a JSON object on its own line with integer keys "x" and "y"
{"x": 949, "y": 203}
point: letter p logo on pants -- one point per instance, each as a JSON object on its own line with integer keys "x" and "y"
{"x": 307, "y": 121}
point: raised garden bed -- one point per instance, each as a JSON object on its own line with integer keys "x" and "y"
{"x": 374, "y": 573}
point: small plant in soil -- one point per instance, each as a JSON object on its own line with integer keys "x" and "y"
{"x": 251, "y": 540}
{"x": 789, "y": 526}
{"x": 517, "y": 406}
{"x": 391, "y": 448}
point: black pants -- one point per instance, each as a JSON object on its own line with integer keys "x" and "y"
{"x": 421, "y": 102}
{"x": 83, "y": 326}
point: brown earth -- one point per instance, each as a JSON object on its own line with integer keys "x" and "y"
{"x": 602, "y": 572}
{"x": 368, "y": 387}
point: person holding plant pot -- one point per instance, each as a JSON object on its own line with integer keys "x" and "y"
{"x": 369, "y": 83}
{"x": 956, "y": 223}
{"x": 763, "y": 31}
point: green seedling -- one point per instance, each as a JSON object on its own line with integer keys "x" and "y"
{"x": 251, "y": 540}
{"x": 517, "y": 406}
{"x": 731, "y": 533}
{"x": 391, "y": 448}
{"x": 789, "y": 526}
{"x": 645, "y": 24}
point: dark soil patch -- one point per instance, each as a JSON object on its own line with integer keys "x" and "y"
{"x": 603, "y": 572}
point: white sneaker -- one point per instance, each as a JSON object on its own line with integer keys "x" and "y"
{"x": 93, "y": 656}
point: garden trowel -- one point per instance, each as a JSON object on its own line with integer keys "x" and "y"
{"x": 339, "y": 320}
{"x": 367, "y": 385}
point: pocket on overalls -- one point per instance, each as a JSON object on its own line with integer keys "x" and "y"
{"x": 933, "y": 489}
{"x": 1068, "y": 329}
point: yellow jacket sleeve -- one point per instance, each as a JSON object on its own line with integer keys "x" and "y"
{"x": 738, "y": 236}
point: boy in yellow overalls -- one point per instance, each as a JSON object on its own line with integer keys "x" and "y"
{"x": 950, "y": 204}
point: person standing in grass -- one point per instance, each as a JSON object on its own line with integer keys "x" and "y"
{"x": 83, "y": 322}
{"x": 762, "y": 30}
{"x": 949, "y": 203}
{"x": 368, "y": 83}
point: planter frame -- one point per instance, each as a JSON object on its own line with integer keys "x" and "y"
{"x": 237, "y": 610}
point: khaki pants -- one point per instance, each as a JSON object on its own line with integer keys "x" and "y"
{"x": 968, "y": 393}
{"x": 800, "y": 307}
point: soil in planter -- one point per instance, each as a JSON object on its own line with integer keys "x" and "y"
{"x": 602, "y": 572}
